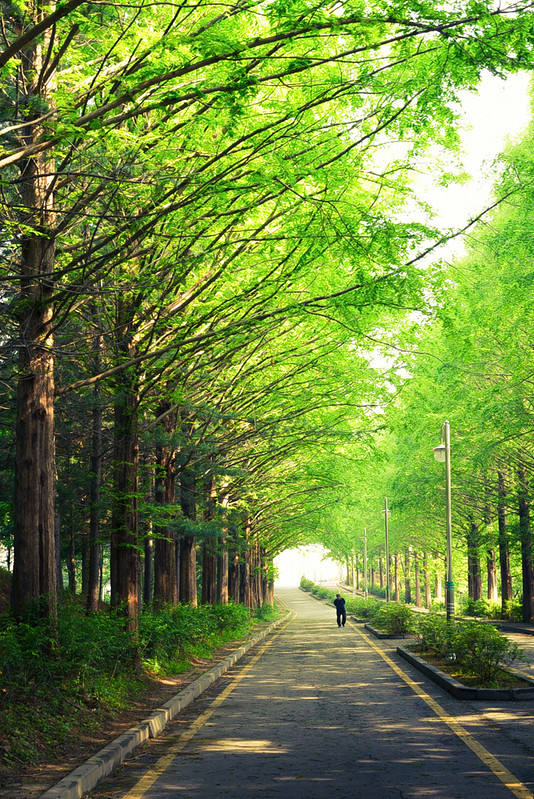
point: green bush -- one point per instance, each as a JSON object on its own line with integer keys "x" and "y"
{"x": 435, "y": 633}
{"x": 475, "y": 607}
{"x": 394, "y": 618}
{"x": 363, "y": 608}
{"x": 478, "y": 649}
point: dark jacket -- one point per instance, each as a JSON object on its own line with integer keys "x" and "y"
{"x": 340, "y": 604}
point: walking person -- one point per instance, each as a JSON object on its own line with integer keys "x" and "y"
{"x": 339, "y": 602}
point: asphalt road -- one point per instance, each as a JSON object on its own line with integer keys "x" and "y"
{"x": 326, "y": 713}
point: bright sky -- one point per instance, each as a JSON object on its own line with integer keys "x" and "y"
{"x": 497, "y": 114}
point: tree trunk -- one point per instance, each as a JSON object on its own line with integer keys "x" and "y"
{"x": 491, "y": 564}
{"x": 188, "y": 549}
{"x": 209, "y": 554}
{"x": 165, "y": 587}
{"x": 95, "y": 486}
{"x": 34, "y": 571}
{"x": 234, "y": 578}
{"x": 428, "y": 593}
{"x": 222, "y": 573}
{"x": 396, "y": 573}
{"x": 474, "y": 577}
{"x": 246, "y": 588}
{"x": 124, "y": 522}
{"x": 417, "y": 580}
{"x": 504, "y": 549}
{"x": 148, "y": 571}
{"x": 526, "y": 547}
{"x": 407, "y": 575}
{"x": 439, "y": 582}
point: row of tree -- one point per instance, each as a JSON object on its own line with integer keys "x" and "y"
{"x": 469, "y": 359}
{"x": 202, "y": 229}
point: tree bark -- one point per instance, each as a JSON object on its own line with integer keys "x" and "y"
{"x": 407, "y": 576}
{"x": 165, "y": 584}
{"x": 93, "y": 579}
{"x": 439, "y": 581}
{"x": 428, "y": 592}
{"x": 124, "y": 521}
{"x": 188, "y": 549}
{"x": 234, "y": 571}
{"x": 474, "y": 577}
{"x": 396, "y": 573}
{"x": 526, "y": 546}
{"x": 209, "y": 555}
{"x": 417, "y": 580}
{"x": 504, "y": 548}
{"x": 34, "y": 572}
{"x": 491, "y": 564}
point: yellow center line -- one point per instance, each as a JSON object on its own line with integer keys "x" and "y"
{"x": 506, "y": 777}
{"x": 146, "y": 782}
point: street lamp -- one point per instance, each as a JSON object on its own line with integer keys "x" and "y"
{"x": 387, "y": 514}
{"x": 365, "y": 562}
{"x": 442, "y": 453}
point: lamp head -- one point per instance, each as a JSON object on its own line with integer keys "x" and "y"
{"x": 439, "y": 453}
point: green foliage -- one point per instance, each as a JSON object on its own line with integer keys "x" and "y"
{"x": 363, "y": 608}
{"x": 481, "y": 608}
{"x": 477, "y": 649}
{"x": 394, "y": 618}
{"x": 169, "y": 638}
{"x": 93, "y": 665}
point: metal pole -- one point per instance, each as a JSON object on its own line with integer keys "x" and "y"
{"x": 365, "y": 562}
{"x": 387, "y": 546}
{"x": 353, "y": 574}
{"x": 449, "y": 584}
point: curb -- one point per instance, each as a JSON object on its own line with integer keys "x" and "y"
{"x": 87, "y": 776}
{"x": 378, "y": 634}
{"x": 460, "y": 691}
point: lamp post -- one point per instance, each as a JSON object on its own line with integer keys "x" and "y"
{"x": 442, "y": 453}
{"x": 365, "y": 562}
{"x": 353, "y": 573}
{"x": 387, "y": 514}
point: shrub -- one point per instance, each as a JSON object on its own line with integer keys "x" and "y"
{"x": 477, "y": 648}
{"x": 362, "y": 608}
{"x": 394, "y": 618}
{"x": 434, "y": 633}
{"x": 482, "y": 650}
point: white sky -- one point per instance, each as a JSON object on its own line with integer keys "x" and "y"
{"x": 497, "y": 114}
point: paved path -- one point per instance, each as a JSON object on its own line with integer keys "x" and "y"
{"x": 328, "y": 713}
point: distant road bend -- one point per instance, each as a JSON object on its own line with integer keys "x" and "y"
{"x": 321, "y": 712}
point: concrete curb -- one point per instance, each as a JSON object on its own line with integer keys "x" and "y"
{"x": 87, "y": 776}
{"x": 380, "y": 634}
{"x": 460, "y": 691}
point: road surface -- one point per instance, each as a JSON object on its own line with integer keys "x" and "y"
{"x": 319, "y": 712}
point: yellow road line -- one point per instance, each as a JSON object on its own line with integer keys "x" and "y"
{"x": 506, "y": 777}
{"x": 146, "y": 782}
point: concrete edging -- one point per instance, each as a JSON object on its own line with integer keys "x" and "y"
{"x": 460, "y": 691}
{"x": 87, "y": 776}
{"x": 379, "y": 634}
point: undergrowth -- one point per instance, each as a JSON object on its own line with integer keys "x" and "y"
{"x": 49, "y": 686}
